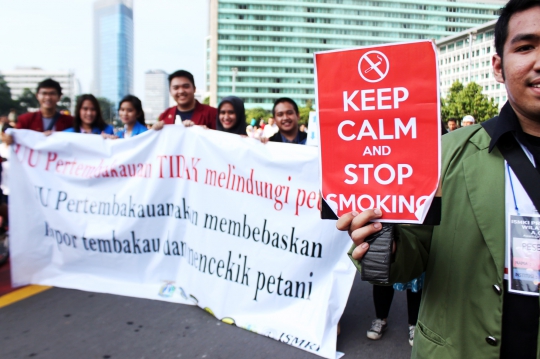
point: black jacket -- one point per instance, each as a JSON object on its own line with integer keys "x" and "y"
{"x": 302, "y": 136}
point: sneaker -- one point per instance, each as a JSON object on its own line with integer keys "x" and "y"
{"x": 378, "y": 326}
{"x": 411, "y": 334}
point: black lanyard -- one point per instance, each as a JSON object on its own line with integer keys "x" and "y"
{"x": 523, "y": 168}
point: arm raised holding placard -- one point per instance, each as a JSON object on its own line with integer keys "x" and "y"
{"x": 410, "y": 247}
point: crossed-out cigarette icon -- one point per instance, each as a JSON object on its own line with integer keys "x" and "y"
{"x": 375, "y": 65}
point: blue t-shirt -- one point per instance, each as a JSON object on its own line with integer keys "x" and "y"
{"x": 109, "y": 130}
{"x": 138, "y": 128}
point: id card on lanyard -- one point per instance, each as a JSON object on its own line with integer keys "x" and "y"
{"x": 523, "y": 249}
{"x": 522, "y": 239}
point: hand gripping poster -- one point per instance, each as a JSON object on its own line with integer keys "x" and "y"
{"x": 378, "y": 112}
{"x": 183, "y": 215}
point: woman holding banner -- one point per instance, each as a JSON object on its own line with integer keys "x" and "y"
{"x": 132, "y": 115}
{"x": 88, "y": 118}
{"x": 231, "y": 116}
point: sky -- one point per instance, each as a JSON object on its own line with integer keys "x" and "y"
{"x": 58, "y": 35}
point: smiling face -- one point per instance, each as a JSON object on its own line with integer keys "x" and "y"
{"x": 47, "y": 98}
{"x": 128, "y": 113}
{"x": 519, "y": 69}
{"x": 227, "y": 116}
{"x": 183, "y": 92}
{"x": 88, "y": 113}
{"x": 286, "y": 117}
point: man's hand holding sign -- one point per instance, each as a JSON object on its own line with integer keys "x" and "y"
{"x": 380, "y": 140}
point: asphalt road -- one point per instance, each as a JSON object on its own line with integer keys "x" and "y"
{"x": 63, "y": 323}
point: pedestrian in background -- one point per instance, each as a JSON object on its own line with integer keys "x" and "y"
{"x": 382, "y": 298}
{"x": 270, "y": 129}
{"x": 452, "y": 124}
{"x": 467, "y": 121}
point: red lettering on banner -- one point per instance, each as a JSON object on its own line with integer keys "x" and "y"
{"x": 51, "y": 157}
{"x": 176, "y": 166}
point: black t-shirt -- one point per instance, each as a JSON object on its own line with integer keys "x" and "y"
{"x": 184, "y": 115}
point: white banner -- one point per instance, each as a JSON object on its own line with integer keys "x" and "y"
{"x": 190, "y": 216}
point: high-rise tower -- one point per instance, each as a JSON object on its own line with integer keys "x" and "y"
{"x": 113, "y": 49}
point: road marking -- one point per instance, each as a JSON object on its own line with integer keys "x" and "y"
{"x": 21, "y": 294}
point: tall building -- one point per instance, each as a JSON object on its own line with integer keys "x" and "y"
{"x": 264, "y": 49}
{"x": 156, "y": 94}
{"x": 466, "y": 57}
{"x": 113, "y": 49}
{"x": 28, "y": 78}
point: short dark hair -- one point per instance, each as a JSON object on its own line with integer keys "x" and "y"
{"x": 453, "y": 119}
{"x": 501, "y": 28}
{"x": 137, "y": 104}
{"x": 182, "y": 73}
{"x": 98, "y": 121}
{"x": 284, "y": 99}
{"x": 49, "y": 84}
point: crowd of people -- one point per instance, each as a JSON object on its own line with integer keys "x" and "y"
{"x": 87, "y": 118}
{"x": 459, "y": 268}
{"x": 229, "y": 116}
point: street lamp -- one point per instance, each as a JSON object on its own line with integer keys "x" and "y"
{"x": 234, "y": 74}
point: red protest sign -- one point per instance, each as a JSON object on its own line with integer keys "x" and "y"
{"x": 379, "y": 121}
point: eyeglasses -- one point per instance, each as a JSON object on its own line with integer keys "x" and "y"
{"x": 47, "y": 93}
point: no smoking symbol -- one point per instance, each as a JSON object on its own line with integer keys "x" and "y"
{"x": 373, "y": 66}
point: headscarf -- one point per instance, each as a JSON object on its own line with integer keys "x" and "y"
{"x": 239, "y": 127}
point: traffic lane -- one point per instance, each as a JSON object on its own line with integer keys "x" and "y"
{"x": 62, "y": 323}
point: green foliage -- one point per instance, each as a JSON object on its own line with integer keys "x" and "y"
{"x": 469, "y": 100}
{"x": 257, "y": 113}
{"x": 304, "y": 112}
{"x": 65, "y": 103}
{"x": 108, "y": 109}
{"x": 27, "y": 100}
{"x": 206, "y": 100}
{"x": 6, "y": 103}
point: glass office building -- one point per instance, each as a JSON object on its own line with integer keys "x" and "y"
{"x": 113, "y": 49}
{"x": 264, "y": 49}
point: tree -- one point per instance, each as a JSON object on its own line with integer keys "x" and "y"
{"x": 27, "y": 100}
{"x": 469, "y": 100}
{"x": 257, "y": 113}
{"x": 108, "y": 109}
{"x": 304, "y": 112}
{"x": 6, "y": 103}
{"x": 65, "y": 103}
{"x": 206, "y": 100}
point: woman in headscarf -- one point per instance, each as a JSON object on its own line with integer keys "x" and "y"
{"x": 231, "y": 116}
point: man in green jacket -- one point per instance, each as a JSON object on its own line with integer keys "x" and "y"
{"x": 467, "y": 310}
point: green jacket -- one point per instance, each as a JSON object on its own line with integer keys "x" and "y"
{"x": 463, "y": 257}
